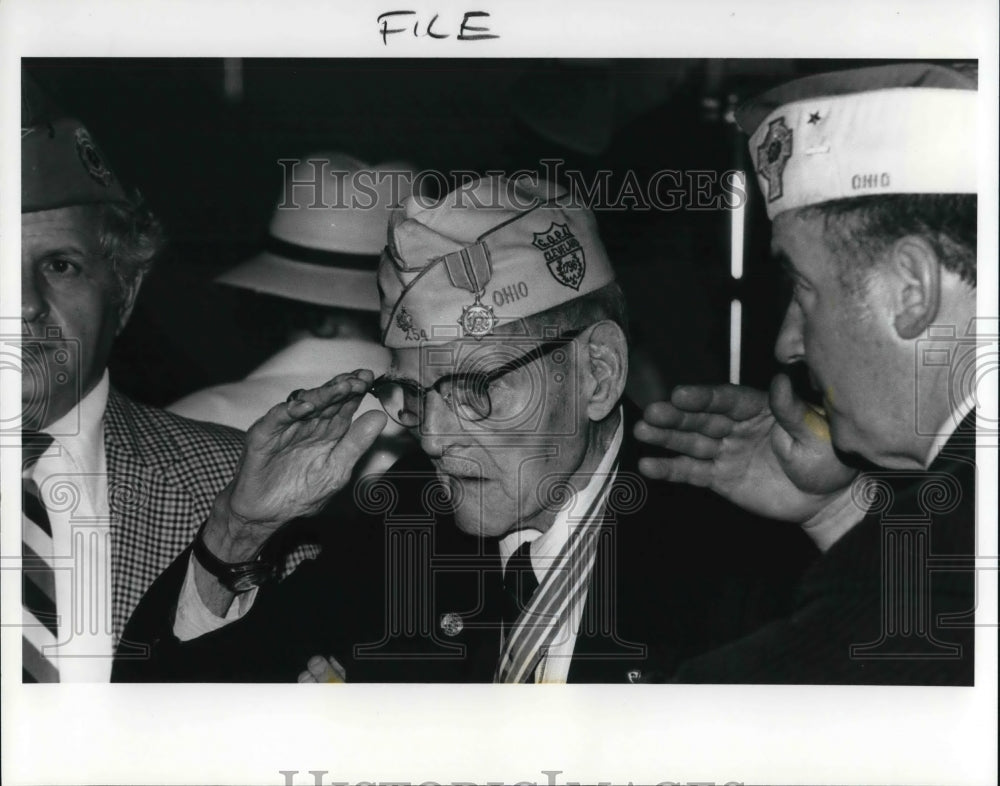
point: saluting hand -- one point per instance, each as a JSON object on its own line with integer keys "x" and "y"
{"x": 769, "y": 453}
{"x": 296, "y": 458}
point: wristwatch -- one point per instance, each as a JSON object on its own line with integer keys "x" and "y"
{"x": 234, "y": 576}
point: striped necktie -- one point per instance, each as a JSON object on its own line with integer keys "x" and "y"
{"x": 519, "y": 584}
{"x": 40, "y": 634}
{"x": 552, "y": 603}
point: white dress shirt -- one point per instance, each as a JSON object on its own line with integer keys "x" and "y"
{"x": 194, "y": 618}
{"x": 545, "y": 549}
{"x": 72, "y": 482}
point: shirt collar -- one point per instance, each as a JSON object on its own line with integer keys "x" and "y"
{"x": 546, "y": 546}
{"x": 950, "y": 425}
{"x": 80, "y": 432}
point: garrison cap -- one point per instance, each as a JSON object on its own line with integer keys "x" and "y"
{"x": 490, "y": 252}
{"x": 61, "y": 165}
{"x": 894, "y": 129}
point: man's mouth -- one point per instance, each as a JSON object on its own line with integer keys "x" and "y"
{"x": 465, "y": 478}
{"x": 461, "y": 471}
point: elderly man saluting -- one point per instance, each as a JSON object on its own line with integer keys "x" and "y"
{"x": 520, "y": 545}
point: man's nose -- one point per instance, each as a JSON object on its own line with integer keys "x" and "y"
{"x": 789, "y": 348}
{"x": 33, "y": 304}
{"x": 438, "y": 427}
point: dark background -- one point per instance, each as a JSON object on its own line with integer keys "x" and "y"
{"x": 206, "y": 160}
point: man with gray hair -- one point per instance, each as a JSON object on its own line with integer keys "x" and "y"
{"x": 870, "y": 177}
{"x": 520, "y": 545}
{"x": 112, "y": 490}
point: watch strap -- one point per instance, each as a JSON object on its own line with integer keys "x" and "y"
{"x": 235, "y": 576}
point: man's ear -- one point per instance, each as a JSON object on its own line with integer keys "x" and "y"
{"x": 606, "y": 355}
{"x": 918, "y": 278}
{"x": 129, "y": 294}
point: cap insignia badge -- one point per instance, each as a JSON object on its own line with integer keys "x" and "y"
{"x": 91, "y": 158}
{"x": 772, "y": 154}
{"x": 404, "y": 321}
{"x": 563, "y": 254}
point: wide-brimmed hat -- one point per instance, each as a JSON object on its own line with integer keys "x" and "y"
{"x": 327, "y": 232}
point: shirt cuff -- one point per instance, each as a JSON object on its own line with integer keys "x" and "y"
{"x": 835, "y": 520}
{"x": 194, "y": 619}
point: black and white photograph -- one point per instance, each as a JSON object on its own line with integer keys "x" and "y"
{"x": 443, "y": 364}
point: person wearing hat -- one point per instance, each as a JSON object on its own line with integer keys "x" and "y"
{"x": 112, "y": 490}
{"x": 870, "y": 181}
{"x": 321, "y": 261}
{"x": 520, "y": 544}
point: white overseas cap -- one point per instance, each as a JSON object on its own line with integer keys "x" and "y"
{"x": 895, "y": 129}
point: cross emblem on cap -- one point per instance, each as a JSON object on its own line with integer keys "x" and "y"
{"x": 772, "y": 154}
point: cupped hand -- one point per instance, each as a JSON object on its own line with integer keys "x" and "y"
{"x": 770, "y": 453}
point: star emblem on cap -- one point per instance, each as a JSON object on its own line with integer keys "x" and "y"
{"x": 814, "y": 118}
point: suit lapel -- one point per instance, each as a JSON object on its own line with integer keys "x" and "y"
{"x": 139, "y": 489}
{"x": 608, "y": 648}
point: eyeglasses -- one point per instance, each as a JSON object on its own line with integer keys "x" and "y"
{"x": 467, "y": 393}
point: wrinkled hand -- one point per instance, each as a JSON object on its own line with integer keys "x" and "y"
{"x": 297, "y": 456}
{"x": 769, "y": 453}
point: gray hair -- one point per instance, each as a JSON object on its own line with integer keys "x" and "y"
{"x": 130, "y": 237}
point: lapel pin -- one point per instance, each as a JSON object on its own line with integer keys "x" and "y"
{"x": 451, "y": 624}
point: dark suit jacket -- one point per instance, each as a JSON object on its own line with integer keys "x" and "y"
{"x": 892, "y": 601}
{"x": 400, "y": 594}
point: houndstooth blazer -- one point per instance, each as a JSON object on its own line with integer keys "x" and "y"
{"x": 163, "y": 473}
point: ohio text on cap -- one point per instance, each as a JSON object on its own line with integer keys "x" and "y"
{"x": 895, "y": 129}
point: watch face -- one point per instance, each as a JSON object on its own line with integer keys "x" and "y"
{"x": 236, "y": 577}
{"x": 243, "y": 584}
{"x": 249, "y": 575}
